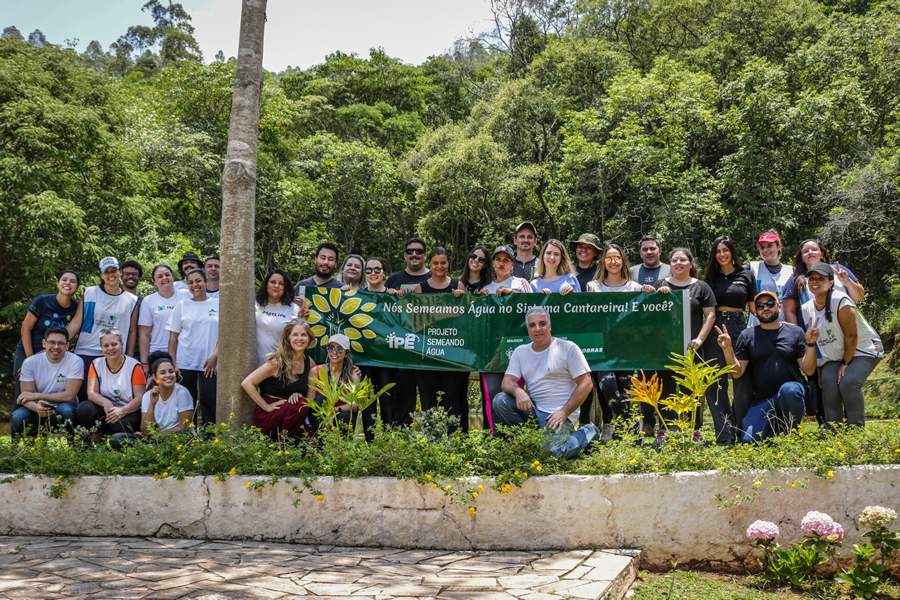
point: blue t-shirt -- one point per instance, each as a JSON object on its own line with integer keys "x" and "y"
{"x": 49, "y": 314}
{"x": 554, "y": 286}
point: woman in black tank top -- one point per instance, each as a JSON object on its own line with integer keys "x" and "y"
{"x": 280, "y": 386}
{"x": 453, "y": 384}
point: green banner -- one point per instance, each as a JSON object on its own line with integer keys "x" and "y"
{"x": 616, "y": 331}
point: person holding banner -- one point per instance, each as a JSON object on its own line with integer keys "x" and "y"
{"x": 504, "y": 282}
{"x": 613, "y": 275}
{"x": 376, "y": 273}
{"x": 683, "y": 277}
{"x": 650, "y": 271}
{"x": 452, "y": 385}
{"x": 476, "y": 274}
{"x": 557, "y": 379}
{"x": 555, "y": 274}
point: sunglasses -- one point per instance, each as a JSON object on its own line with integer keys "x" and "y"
{"x": 480, "y": 259}
{"x": 612, "y": 259}
{"x": 370, "y": 270}
{"x": 765, "y": 304}
{"x": 335, "y": 350}
{"x": 415, "y": 251}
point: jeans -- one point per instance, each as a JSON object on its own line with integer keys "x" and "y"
{"x": 25, "y": 421}
{"x": 845, "y": 398}
{"x": 18, "y": 359}
{"x": 776, "y": 414}
{"x": 565, "y": 443}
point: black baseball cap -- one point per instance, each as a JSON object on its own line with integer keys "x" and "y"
{"x": 526, "y": 225}
{"x": 823, "y": 269}
{"x": 186, "y": 257}
{"x": 503, "y": 250}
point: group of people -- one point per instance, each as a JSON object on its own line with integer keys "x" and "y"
{"x": 793, "y": 334}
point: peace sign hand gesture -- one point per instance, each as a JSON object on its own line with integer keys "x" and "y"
{"x": 723, "y": 338}
{"x": 812, "y": 334}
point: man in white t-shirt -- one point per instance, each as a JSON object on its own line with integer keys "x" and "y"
{"x": 558, "y": 380}
{"x": 50, "y": 381}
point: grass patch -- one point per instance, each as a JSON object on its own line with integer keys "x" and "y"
{"x": 676, "y": 585}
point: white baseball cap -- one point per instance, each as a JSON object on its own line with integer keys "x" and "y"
{"x": 341, "y": 340}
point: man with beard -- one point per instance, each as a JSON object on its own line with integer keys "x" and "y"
{"x": 415, "y": 271}
{"x": 526, "y": 242}
{"x": 773, "y": 353}
{"x": 326, "y": 263}
{"x": 651, "y": 269}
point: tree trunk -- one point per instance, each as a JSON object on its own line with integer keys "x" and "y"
{"x": 237, "y": 325}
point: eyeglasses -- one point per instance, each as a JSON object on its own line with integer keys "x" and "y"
{"x": 335, "y": 350}
{"x": 765, "y": 304}
{"x": 480, "y": 259}
{"x": 370, "y": 270}
{"x": 612, "y": 259}
{"x": 410, "y": 251}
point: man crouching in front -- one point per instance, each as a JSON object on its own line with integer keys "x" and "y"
{"x": 557, "y": 379}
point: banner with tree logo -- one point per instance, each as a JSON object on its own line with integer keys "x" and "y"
{"x": 616, "y": 331}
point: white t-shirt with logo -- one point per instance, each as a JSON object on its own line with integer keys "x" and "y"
{"x": 270, "y": 322}
{"x": 598, "y": 286}
{"x": 197, "y": 326}
{"x": 155, "y": 312}
{"x": 831, "y": 336}
{"x": 550, "y": 374}
{"x": 516, "y": 284}
{"x": 165, "y": 413}
{"x": 102, "y": 311}
{"x": 48, "y": 377}
{"x": 117, "y": 386}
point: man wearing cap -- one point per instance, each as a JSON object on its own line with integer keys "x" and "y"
{"x": 587, "y": 249}
{"x": 772, "y": 354}
{"x": 104, "y": 306}
{"x": 189, "y": 261}
{"x": 651, "y": 269}
{"x": 526, "y": 242}
{"x": 505, "y": 280}
{"x": 769, "y": 274}
{"x": 558, "y": 380}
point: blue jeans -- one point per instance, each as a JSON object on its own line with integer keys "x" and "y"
{"x": 565, "y": 443}
{"x": 25, "y": 421}
{"x": 777, "y": 414}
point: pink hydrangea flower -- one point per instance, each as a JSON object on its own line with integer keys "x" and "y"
{"x": 763, "y": 531}
{"x": 821, "y": 525}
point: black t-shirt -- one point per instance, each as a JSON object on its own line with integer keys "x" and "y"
{"x": 273, "y": 386}
{"x": 773, "y": 356}
{"x": 735, "y": 289}
{"x": 49, "y": 314}
{"x": 401, "y": 280}
{"x": 700, "y": 296}
{"x": 474, "y": 288}
{"x": 427, "y": 289}
{"x": 585, "y": 275}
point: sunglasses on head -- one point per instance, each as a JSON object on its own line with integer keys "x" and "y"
{"x": 415, "y": 250}
{"x": 765, "y": 304}
{"x": 480, "y": 259}
{"x": 370, "y": 270}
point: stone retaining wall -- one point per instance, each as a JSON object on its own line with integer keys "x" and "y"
{"x": 669, "y": 517}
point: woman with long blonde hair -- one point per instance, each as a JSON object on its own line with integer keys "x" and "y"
{"x": 280, "y": 386}
{"x": 555, "y": 271}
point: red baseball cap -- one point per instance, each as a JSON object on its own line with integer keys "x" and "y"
{"x": 769, "y": 236}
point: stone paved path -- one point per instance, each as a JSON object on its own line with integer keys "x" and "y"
{"x": 71, "y": 567}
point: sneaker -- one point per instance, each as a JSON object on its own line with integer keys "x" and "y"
{"x": 606, "y": 433}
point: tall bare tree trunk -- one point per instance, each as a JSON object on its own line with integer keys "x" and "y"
{"x": 237, "y": 327}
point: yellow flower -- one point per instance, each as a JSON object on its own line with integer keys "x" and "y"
{"x": 758, "y": 483}
{"x": 178, "y": 463}
{"x": 434, "y": 485}
{"x": 248, "y": 485}
{"x": 447, "y": 487}
{"x": 233, "y": 472}
{"x": 829, "y": 474}
{"x": 472, "y": 511}
{"x": 215, "y": 440}
{"x": 516, "y": 472}
{"x": 475, "y": 495}
{"x": 194, "y": 462}
{"x": 320, "y": 498}
{"x": 794, "y": 484}
{"x": 178, "y": 447}
{"x": 480, "y": 488}
{"x": 428, "y": 476}
{"x": 279, "y": 453}
{"x": 505, "y": 488}
{"x": 165, "y": 474}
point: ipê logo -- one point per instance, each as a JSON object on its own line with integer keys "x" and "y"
{"x": 334, "y": 311}
{"x": 407, "y": 341}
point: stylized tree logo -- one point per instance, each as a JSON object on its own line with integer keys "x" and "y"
{"x": 334, "y": 311}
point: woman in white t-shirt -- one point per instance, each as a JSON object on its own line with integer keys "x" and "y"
{"x": 115, "y": 385}
{"x": 103, "y": 306}
{"x": 613, "y": 275}
{"x": 848, "y": 347}
{"x": 275, "y": 308}
{"x": 154, "y": 314}
{"x": 193, "y": 343}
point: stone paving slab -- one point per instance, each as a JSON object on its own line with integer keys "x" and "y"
{"x": 79, "y": 567}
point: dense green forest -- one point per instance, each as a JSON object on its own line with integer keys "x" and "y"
{"x": 687, "y": 118}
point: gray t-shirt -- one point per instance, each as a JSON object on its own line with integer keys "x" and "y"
{"x": 645, "y": 276}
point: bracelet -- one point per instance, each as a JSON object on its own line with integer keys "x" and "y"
{"x": 808, "y": 345}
